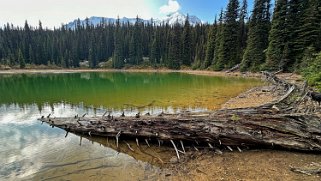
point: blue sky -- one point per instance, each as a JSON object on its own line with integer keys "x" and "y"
{"x": 206, "y": 9}
{"x": 53, "y": 13}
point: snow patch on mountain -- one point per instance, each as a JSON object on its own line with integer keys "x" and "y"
{"x": 170, "y": 19}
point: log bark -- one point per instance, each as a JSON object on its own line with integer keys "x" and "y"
{"x": 250, "y": 128}
{"x": 275, "y": 125}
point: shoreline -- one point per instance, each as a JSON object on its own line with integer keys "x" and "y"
{"x": 188, "y": 71}
{"x": 255, "y": 96}
{"x": 287, "y": 76}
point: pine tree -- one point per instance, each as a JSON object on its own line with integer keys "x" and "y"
{"x": 91, "y": 58}
{"x": 21, "y": 60}
{"x": 118, "y": 59}
{"x": 63, "y": 62}
{"x": 243, "y": 30}
{"x": 257, "y": 41}
{"x": 277, "y": 37}
{"x": 295, "y": 19}
{"x": 217, "y": 62}
{"x": 210, "y": 47}
{"x": 155, "y": 51}
{"x": 186, "y": 53}
{"x": 132, "y": 51}
{"x": 310, "y": 31}
{"x": 31, "y": 60}
{"x": 228, "y": 48}
{"x": 136, "y": 47}
{"x": 174, "y": 57}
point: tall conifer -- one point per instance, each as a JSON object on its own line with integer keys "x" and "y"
{"x": 257, "y": 41}
{"x": 277, "y": 37}
{"x": 186, "y": 40}
{"x": 228, "y": 48}
{"x": 210, "y": 47}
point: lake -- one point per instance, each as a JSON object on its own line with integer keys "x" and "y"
{"x": 30, "y": 150}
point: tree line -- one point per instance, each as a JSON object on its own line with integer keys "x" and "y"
{"x": 286, "y": 38}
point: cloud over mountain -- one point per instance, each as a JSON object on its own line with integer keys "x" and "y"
{"x": 171, "y": 7}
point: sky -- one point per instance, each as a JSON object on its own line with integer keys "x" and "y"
{"x": 53, "y": 13}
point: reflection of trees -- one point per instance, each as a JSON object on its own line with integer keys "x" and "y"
{"x": 110, "y": 90}
{"x": 154, "y": 155}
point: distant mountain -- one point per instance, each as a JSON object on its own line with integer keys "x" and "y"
{"x": 170, "y": 19}
{"x": 180, "y": 17}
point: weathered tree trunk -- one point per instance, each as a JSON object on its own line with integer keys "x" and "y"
{"x": 230, "y": 128}
{"x": 279, "y": 125}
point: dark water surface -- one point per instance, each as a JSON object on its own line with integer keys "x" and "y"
{"x": 32, "y": 151}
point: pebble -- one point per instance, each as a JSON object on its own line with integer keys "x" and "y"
{"x": 173, "y": 160}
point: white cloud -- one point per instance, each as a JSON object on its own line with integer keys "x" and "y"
{"x": 54, "y": 12}
{"x": 171, "y": 7}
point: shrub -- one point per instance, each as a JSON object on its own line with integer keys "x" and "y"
{"x": 312, "y": 73}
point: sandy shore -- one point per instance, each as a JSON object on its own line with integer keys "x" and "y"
{"x": 289, "y": 76}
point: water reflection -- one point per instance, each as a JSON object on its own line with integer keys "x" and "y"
{"x": 29, "y": 150}
{"x": 115, "y": 90}
{"x": 154, "y": 153}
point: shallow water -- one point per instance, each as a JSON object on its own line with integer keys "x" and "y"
{"x": 32, "y": 151}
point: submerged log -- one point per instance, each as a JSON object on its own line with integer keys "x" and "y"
{"x": 263, "y": 126}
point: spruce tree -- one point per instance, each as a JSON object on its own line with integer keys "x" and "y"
{"x": 186, "y": 53}
{"x": 138, "y": 41}
{"x": 63, "y": 62}
{"x": 243, "y": 30}
{"x": 135, "y": 46}
{"x": 295, "y": 19}
{"x": 257, "y": 42}
{"x": 174, "y": 55}
{"x": 217, "y": 63}
{"x": 277, "y": 37}
{"x": 21, "y": 60}
{"x": 310, "y": 33}
{"x": 228, "y": 48}
{"x": 132, "y": 50}
{"x": 118, "y": 57}
{"x": 91, "y": 58}
{"x": 155, "y": 51}
{"x": 31, "y": 59}
{"x": 210, "y": 47}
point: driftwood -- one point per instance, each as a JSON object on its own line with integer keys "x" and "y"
{"x": 236, "y": 67}
{"x": 312, "y": 169}
{"x": 281, "y": 124}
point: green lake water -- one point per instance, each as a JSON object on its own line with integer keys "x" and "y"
{"x": 118, "y": 91}
{"x": 32, "y": 151}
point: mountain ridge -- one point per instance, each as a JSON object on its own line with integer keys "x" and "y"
{"x": 170, "y": 19}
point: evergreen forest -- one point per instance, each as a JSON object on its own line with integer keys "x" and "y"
{"x": 285, "y": 36}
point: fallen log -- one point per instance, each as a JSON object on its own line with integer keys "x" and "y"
{"x": 236, "y": 128}
{"x": 272, "y": 125}
{"x": 236, "y": 67}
